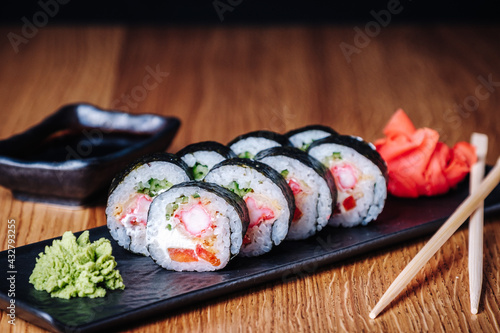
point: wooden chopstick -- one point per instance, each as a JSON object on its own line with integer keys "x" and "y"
{"x": 480, "y": 142}
{"x": 440, "y": 237}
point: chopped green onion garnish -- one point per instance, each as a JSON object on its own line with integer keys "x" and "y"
{"x": 182, "y": 199}
{"x": 169, "y": 226}
{"x": 285, "y": 173}
{"x": 246, "y": 154}
{"x": 170, "y": 209}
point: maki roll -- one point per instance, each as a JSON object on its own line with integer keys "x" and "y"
{"x": 196, "y": 226}
{"x": 248, "y": 145}
{"x": 360, "y": 174}
{"x": 268, "y": 198}
{"x": 312, "y": 185}
{"x": 303, "y": 137}
{"x": 202, "y": 156}
{"x": 132, "y": 192}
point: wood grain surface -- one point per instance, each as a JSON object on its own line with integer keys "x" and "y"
{"x": 224, "y": 81}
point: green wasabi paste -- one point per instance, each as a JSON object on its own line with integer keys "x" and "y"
{"x": 76, "y": 267}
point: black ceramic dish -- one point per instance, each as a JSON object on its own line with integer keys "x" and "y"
{"x": 71, "y": 157}
{"x": 151, "y": 290}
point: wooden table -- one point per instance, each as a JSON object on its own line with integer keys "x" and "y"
{"x": 224, "y": 81}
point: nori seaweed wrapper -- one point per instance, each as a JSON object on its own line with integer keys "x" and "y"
{"x": 358, "y": 144}
{"x": 155, "y": 157}
{"x": 276, "y": 137}
{"x": 308, "y": 161}
{"x": 214, "y": 146}
{"x": 268, "y": 172}
{"x": 323, "y": 128}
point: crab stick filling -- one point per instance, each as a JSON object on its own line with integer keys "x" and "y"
{"x": 195, "y": 219}
{"x": 346, "y": 177}
{"x": 299, "y": 190}
{"x": 261, "y": 210}
{"x": 296, "y": 190}
{"x": 258, "y": 212}
{"x": 136, "y": 212}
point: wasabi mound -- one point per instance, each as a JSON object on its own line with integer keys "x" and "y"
{"x": 74, "y": 267}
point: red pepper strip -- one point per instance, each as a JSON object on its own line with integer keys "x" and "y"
{"x": 246, "y": 240}
{"x": 349, "y": 203}
{"x": 182, "y": 255}
{"x": 297, "y": 214}
{"x": 295, "y": 186}
{"x": 207, "y": 255}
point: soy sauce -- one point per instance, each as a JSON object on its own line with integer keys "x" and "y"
{"x": 77, "y": 145}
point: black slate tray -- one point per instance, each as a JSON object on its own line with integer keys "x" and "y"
{"x": 151, "y": 290}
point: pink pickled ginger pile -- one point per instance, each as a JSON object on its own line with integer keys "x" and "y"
{"x": 418, "y": 164}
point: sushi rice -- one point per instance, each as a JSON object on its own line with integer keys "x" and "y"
{"x": 303, "y": 137}
{"x": 196, "y": 226}
{"x": 127, "y": 207}
{"x": 360, "y": 176}
{"x": 202, "y": 156}
{"x": 312, "y": 184}
{"x": 244, "y": 206}
{"x": 250, "y": 144}
{"x": 268, "y": 198}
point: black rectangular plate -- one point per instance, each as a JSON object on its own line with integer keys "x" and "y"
{"x": 151, "y": 290}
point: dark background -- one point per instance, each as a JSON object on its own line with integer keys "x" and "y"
{"x": 248, "y": 12}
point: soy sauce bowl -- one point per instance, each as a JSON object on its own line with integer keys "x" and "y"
{"x": 71, "y": 157}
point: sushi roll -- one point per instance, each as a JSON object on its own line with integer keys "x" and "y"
{"x": 196, "y": 226}
{"x": 132, "y": 192}
{"x": 202, "y": 156}
{"x": 312, "y": 185}
{"x": 360, "y": 174}
{"x": 303, "y": 137}
{"x": 248, "y": 145}
{"x": 268, "y": 198}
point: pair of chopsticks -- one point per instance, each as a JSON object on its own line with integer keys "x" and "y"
{"x": 468, "y": 207}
